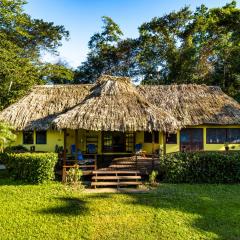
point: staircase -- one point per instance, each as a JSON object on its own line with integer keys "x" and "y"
{"x": 144, "y": 165}
{"x": 119, "y": 178}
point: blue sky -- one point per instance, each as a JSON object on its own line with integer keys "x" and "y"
{"x": 83, "y": 18}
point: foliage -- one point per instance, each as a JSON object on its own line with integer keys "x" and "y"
{"x": 201, "y": 167}
{"x": 109, "y": 54}
{"x": 30, "y": 167}
{"x": 23, "y": 39}
{"x": 177, "y": 212}
{"x": 201, "y": 46}
{"x": 18, "y": 148}
{"x": 59, "y": 73}
{"x": 6, "y": 135}
{"x": 153, "y": 177}
{"x": 73, "y": 177}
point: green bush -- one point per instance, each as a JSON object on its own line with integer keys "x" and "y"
{"x": 30, "y": 167}
{"x": 201, "y": 167}
{"x": 18, "y": 148}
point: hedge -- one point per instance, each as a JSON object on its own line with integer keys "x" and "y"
{"x": 30, "y": 167}
{"x": 201, "y": 167}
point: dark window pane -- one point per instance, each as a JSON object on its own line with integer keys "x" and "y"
{"x": 197, "y": 135}
{"x": 148, "y": 137}
{"x": 171, "y": 138}
{"x": 28, "y": 137}
{"x": 185, "y": 136}
{"x": 216, "y": 135}
{"x": 107, "y": 142}
{"x": 233, "y": 135}
{"x": 41, "y": 137}
{"x": 129, "y": 141}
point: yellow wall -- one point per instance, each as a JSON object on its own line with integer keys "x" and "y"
{"x": 56, "y": 138}
{"x": 170, "y": 148}
{"x": 53, "y": 138}
{"x": 206, "y": 147}
{"x": 219, "y": 147}
{"x": 148, "y": 146}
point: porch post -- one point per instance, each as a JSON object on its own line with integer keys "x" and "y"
{"x": 64, "y": 155}
{"x": 164, "y": 144}
{"x": 153, "y": 143}
{"x": 76, "y": 145}
{"x": 64, "y": 147}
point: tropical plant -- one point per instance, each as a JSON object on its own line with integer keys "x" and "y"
{"x": 73, "y": 177}
{"x": 153, "y": 177}
{"x": 6, "y": 135}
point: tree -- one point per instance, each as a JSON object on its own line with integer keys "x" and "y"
{"x": 22, "y": 41}
{"x": 6, "y": 136}
{"x": 109, "y": 54}
{"x": 192, "y": 47}
{"x": 59, "y": 73}
{"x": 201, "y": 46}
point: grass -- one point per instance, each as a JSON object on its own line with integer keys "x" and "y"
{"x": 170, "y": 212}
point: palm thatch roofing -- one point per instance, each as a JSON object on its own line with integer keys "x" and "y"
{"x": 193, "y": 104}
{"x": 38, "y": 109}
{"x": 114, "y": 104}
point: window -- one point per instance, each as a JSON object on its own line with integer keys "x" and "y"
{"x": 233, "y": 135}
{"x": 107, "y": 142}
{"x": 41, "y": 137}
{"x": 216, "y": 135}
{"x": 171, "y": 138}
{"x": 222, "y": 135}
{"x": 118, "y": 141}
{"x": 130, "y": 141}
{"x": 28, "y": 137}
{"x": 148, "y": 137}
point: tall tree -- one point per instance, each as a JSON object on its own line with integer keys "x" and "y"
{"x": 21, "y": 41}
{"x": 201, "y": 46}
{"x": 109, "y": 54}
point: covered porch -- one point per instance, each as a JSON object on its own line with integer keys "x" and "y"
{"x": 111, "y": 150}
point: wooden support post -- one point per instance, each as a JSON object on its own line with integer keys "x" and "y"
{"x": 153, "y": 148}
{"x": 76, "y": 146}
{"x": 64, "y": 154}
{"x": 164, "y": 144}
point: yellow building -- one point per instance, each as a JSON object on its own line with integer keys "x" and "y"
{"x": 116, "y": 116}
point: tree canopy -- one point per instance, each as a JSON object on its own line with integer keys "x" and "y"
{"x": 185, "y": 46}
{"x": 22, "y": 39}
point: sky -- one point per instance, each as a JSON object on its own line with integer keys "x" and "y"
{"x": 82, "y": 18}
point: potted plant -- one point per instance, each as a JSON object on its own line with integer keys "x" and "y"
{"x": 226, "y": 145}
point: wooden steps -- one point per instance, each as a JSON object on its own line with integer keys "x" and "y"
{"x": 115, "y": 183}
{"x": 115, "y": 178}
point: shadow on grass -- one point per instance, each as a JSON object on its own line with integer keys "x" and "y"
{"x": 6, "y": 180}
{"x": 218, "y": 206}
{"x": 70, "y": 206}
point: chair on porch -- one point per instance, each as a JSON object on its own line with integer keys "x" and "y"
{"x": 91, "y": 148}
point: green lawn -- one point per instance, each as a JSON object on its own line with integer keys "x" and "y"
{"x": 170, "y": 212}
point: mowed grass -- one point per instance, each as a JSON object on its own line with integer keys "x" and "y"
{"x": 170, "y": 212}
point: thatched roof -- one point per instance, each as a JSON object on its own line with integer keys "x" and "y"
{"x": 38, "y": 109}
{"x": 194, "y": 104}
{"x": 115, "y": 105}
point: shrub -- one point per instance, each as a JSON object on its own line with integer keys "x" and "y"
{"x": 201, "y": 167}
{"x": 18, "y": 148}
{"x": 73, "y": 177}
{"x": 153, "y": 177}
{"x": 31, "y": 167}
